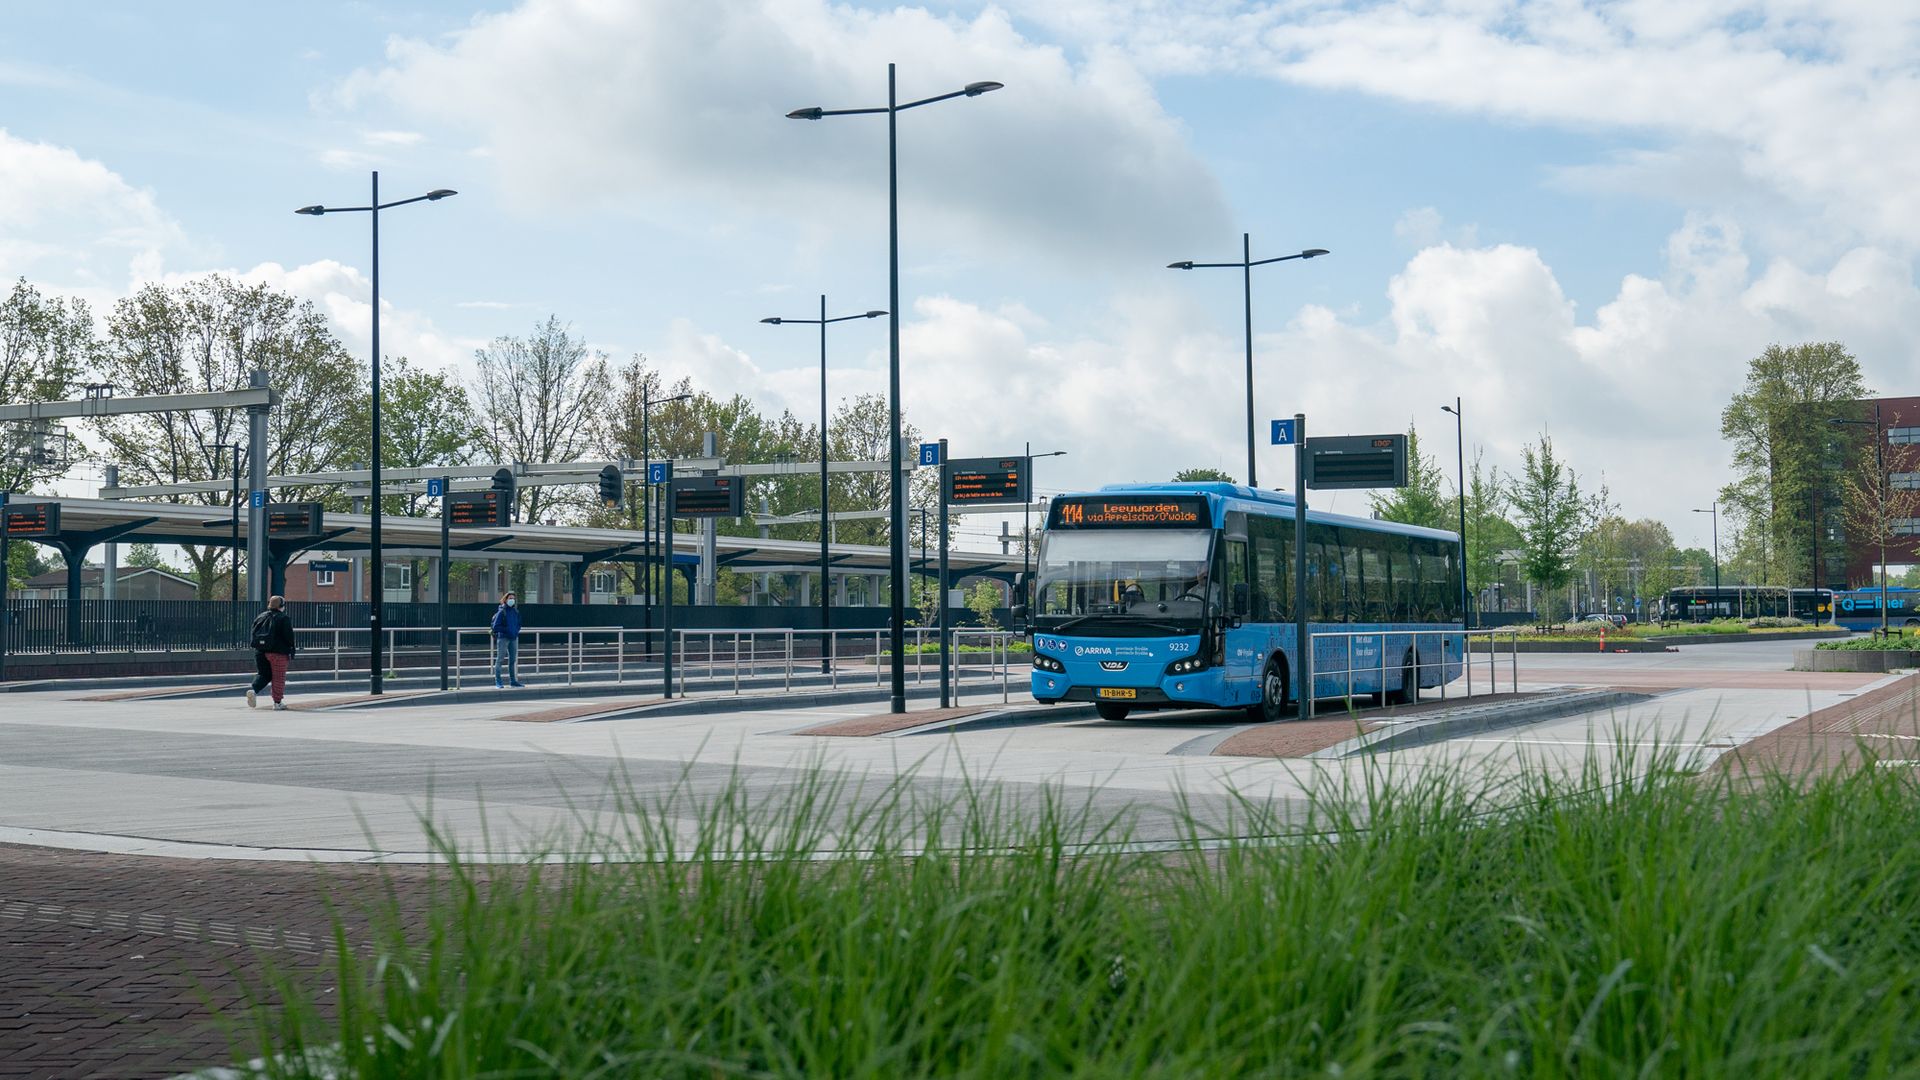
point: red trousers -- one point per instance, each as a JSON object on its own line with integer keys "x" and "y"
{"x": 271, "y": 667}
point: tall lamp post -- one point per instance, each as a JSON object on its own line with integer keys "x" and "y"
{"x": 376, "y": 661}
{"x": 1245, "y": 266}
{"x": 645, "y": 507}
{"x": 1880, "y": 473}
{"x": 897, "y": 543}
{"x": 1026, "y": 520}
{"x": 1715, "y": 511}
{"x": 1460, "y": 450}
{"x": 826, "y": 638}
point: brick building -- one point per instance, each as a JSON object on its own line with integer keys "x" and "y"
{"x": 1900, "y": 427}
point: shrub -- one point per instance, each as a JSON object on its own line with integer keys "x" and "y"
{"x": 1774, "y": 622}
{"x": 1900, "y": 642}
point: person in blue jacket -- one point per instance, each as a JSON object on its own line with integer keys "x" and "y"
{"x": 506, "y": 642}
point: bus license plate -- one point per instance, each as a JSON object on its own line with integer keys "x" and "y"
{"x": 1122, "y": 692}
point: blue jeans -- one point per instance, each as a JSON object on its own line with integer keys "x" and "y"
{"x": 506, "y": 650}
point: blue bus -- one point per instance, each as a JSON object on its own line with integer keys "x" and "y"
{"x": 1859, "y": 609}
{"x": 1159, "y": 596}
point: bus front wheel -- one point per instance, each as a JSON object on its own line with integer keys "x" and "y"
{"x": 1272, "y": 706}
{"x": 1110, "y": 711}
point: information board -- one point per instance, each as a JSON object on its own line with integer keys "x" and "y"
{"x": 32, "y": 519}
{"x": 1357, "y": 461}
{"x": 287, "y": 520}
{"x": 707, "y": 496}
{"x": 1131, "y": 512}
{"x": 479, "y": 509}
{"x": 977, "y": 481}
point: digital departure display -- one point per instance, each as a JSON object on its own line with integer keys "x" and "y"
{"x": 479, "y": 509}
{"x": 973, "y": 481}
{"x": 706, "y": 496}
{"x": 33, "y": 519}
{"x": 294, "y": 519}
{"x": 1132, "y": 512}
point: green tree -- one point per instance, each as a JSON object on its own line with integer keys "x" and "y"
{"x": 1488, "y": 532}
{"x": 28, "y": 560}
{"x": 1201, "y": 476}
{"x": 142, "y": 555}
{"x": 45, "y": 345}
{"x": 1785, "y": 454}
{"x": 1421, "y": 501}
{"x": 1551, "y": 515}
{"x": 208, "y": 334}
{"x": 983, "y": 600}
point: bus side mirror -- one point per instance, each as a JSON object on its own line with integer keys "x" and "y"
{"x": 1241, "y": 598}
{"x": 1019, "y": 614}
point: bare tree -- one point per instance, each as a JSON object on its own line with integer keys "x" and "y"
{"x": 541, "y": 398}
{"x": 45, "y": 345}
{"x": 1874, "y": 511}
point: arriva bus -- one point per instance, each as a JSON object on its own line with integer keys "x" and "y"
{"x": 1161, "y": 596}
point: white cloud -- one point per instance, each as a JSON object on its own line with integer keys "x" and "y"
{"x": 72, "y": 223}
{"x": 645, "y": 107}
{"x": 1815, "y": 100}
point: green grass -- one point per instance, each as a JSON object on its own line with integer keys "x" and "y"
{"x": 1667, "y": 926}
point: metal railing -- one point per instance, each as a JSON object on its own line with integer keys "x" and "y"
{"x": 736, "y": 660}
{"x": 1361, "y": 659}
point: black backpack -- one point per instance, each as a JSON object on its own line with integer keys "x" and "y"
{"x": 262, "y": 630}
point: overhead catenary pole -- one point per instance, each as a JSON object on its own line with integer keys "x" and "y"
{"x": 440, "y": 586}
{"x": 666, "y": 605}
{"x": 1460, "y": 450}
{"x": 946, "y": 659}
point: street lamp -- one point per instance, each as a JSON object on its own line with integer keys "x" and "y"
{"x": 1460, "y": 449}
{"x": 1715, "y": 511}
{"x": 647, "y": 542}
{"x": 1026, "y": 520}
{"x": 1880, "y": 472}
{"x": 897, "y": 544}
{"x": 375, "y": 660}
{"x": 1245, "y": 266}
{"x": 826, "y": 638}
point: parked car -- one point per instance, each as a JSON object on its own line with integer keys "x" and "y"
{"x": 1603, "y": 617}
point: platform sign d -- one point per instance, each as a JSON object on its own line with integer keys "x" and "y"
{"x": 436, "y": 487}
{"x": 1283, "y": 433}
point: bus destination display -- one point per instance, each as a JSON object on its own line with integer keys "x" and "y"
{"x": 973, "y": 481}
{"x": 1132, "y": 512}
{"x": 294, "y": 519}
{"x": 33, "y": 519}
{"x": 479, "y": 509}
{"x": 707, "y": 496}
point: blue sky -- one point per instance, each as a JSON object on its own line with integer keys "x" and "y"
{"x": 1580, "y": 216}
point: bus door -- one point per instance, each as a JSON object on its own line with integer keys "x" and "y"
{"x": 1249, "y": 644}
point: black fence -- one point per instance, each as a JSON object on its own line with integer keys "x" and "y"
{"x": 55, "y": 626}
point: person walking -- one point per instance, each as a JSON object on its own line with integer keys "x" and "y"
{"x": 506, "y": 642}
{"x": 272, "y": 651}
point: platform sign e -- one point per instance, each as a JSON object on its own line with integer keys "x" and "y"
{"x": 258, "y": 500}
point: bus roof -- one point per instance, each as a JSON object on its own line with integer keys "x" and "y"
{"x": 1278, "y": 503}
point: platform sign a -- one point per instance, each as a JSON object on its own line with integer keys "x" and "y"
{"x": 1283, "y": 433}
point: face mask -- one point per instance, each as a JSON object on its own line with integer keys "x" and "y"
{"x": 510, "y": 601}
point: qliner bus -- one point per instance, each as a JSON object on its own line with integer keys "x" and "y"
{"x": 1162, "y": 596}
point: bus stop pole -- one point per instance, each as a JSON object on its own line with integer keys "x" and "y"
{"x": 666, "y": 604}
{"x": 945, "y": 615}
{"x": 1302, "y": 636}
{"x": 440, "y": 587}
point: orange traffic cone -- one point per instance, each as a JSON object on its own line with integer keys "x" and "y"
{"x": 1603, "y": 639}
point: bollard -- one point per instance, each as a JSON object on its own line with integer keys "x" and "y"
{"x": 1603, "y": 639}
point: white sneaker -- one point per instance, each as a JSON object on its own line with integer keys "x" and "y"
{"x": 253, "y": 702}
{"x": 279, "y": 706}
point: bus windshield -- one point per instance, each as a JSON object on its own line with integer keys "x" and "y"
{"x": 1127, "y": 574}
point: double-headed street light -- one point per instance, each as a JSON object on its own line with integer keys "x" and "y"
{"x": 1880, "y": 471}
{"x": 1245, "y": 266}
{"x": 375, "y": 657}
{"x": 826, "y": 638}
{"x": 1460, "y": 449}
{"x": 898, "y": 525}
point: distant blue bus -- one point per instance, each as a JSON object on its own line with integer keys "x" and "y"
{"x": 1859, "y": 609}
{"x": 1159, "y": 596}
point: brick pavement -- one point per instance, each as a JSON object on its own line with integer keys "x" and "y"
{"x": 117, "y": 965}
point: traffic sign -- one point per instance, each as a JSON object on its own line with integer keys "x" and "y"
{"x": 659, "y": 472}
{"x": 436, "y": 487}
{"x": 257, "y": 500}
{"x": 929, "y": 453}
{"x": 1283, "y": 433}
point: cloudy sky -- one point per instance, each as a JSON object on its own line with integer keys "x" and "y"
{"x": 1583, "y": 217}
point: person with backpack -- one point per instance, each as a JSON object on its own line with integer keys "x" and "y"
{"x": 272, "y": 651}
{"x": 506, "y": 642}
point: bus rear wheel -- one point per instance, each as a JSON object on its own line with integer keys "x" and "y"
{"x": 1409, "y": 691}
{"x": 1110, "y": 711}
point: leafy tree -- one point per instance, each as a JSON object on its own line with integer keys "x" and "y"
{"x": 426, "y": 418}
{"x": 208, "y": 334}
{"x": 142, "y": 555}
{"x": 1420, "y": 502}
{"x": 45, "y": 345}
{"x": 1551, "y": 514}
{"x": 28, "y": 560}
{"x": 540, "y": 398}
{"x": 1488, "y": 532}
{"x": 983, "y": 600}
{"x": 1785, "y": 453}
{"x": 1201, "y": 476}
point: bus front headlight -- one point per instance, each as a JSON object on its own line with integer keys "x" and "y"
{"x": 1187, "y": 665}
{"x": 1048, "y": 663}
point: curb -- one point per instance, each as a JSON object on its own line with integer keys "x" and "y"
{"x": 1406, "y": 734}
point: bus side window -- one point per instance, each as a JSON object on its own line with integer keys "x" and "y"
{"x": 1237, "y": 584}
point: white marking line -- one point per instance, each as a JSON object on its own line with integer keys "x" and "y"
{"x": 151, "y": 923}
